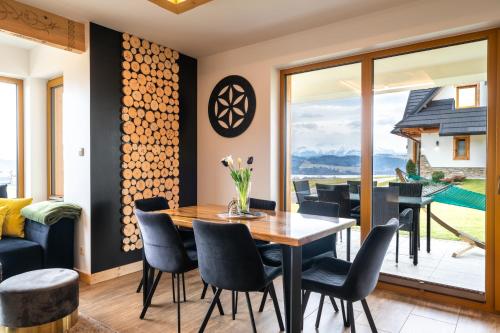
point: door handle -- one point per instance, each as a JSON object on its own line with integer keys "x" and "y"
{"x": 498, "y": 185}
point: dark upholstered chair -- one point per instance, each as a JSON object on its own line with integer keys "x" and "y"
{"x": 229, "y": 260}
{"x": 302, "y": 189}
{"x": 351, "y": 282}
{"x": 261, "y": 204}
{"x": 324, "y": 247}
{"x": 187, "y": 236}
{"x": 165, "y": 252}
{"x": 3, "y": 190}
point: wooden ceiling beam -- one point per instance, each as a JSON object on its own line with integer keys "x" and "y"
{"x": 32, "y": 23}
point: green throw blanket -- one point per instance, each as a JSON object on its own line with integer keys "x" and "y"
{"x": 50, "y": 212}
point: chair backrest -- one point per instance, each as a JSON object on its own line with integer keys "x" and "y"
{"x": 262, "y": 204}
{"x": 324, "y": 244}
{"x": 152, "y": 204}
{"x": 329, "y": 196}
{"x": 365, "y": 270}
{"x": 3, "y": 190}
{"x": 228, "y": 257}
{"x": 408, "y": 189}
{"x": 385, "y": 205}
{"x": 163, "y": 246}
{"x": 354, "y": 185}
{"x": 301, "y": 189}
{"x": 301, "y": 186}
{"x": 324, "y": 186}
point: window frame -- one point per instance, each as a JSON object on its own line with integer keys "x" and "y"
{"x": 465, "y": 86}
{"x": 53, "y": 83}
{"x": 457, "y": 157}
{"x": 20, "y": 132}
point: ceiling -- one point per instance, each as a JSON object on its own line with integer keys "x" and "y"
{"x": 217, "y": 26}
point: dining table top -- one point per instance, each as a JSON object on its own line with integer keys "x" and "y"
{"x": 287, "y": 228}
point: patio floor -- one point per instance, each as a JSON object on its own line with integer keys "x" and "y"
{"x": 466, "y": 271}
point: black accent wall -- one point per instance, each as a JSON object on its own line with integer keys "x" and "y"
{"x": 105, "y": 142}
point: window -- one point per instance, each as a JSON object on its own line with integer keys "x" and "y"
{"x": 461, "y": 147}
{"x": 55, "y": 165}
{"x": 12, "y": 137}
{"x": 467, "y": 96}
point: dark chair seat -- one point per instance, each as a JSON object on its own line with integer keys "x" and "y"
{"x": 19, "y": 255}
{"x": 192, "y": 255}
{"x": 326, "y": 276}
{"x": 271, "y": 273}
{"x": 271, "y": 256}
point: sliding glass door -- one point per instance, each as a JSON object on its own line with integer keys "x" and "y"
{"x": 429, "y": 156}
{"x": 410, "y": 133}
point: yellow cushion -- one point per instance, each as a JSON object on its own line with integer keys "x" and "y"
{"x": 14, "y": 222}
{"x": 3, "y": 214}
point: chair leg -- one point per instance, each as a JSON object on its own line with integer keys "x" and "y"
{"x": 179, "y": 302}
{"x": 215, "y": 301}
{"x": 205, "y": 288}
{"x": 305, "y": 300}
{"x": 139, "y": 287}
{"x": 173, "y": 287}
{"x": 183, "y": 287}
{"x": 334, "y": 304}
{"x": 369, "y": 315}
{"x": 350, "y": 314}
{"x": 219, "y": 305}
{"x": 397, "y": 246}
{"x": 249, "y": 303}
{"x": 150, "y": 296}
{"x": 344, "y": 315}
{"x": 263, "y": 301}
{"x": 233, "y": 301}
{"x": 272, "y": 293}
{"x": 320, "y": 310}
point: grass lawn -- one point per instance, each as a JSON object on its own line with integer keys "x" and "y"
{"x": 468, "y": 220}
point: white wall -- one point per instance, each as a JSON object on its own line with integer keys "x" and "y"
{"x": 442, "y": 156}
{"x": 260, "y": 63}
{"x": 14, "y": 61}
{"x": 46, "y": 63}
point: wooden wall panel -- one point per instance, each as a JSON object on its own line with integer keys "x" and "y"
{"x": 150, "y": 129}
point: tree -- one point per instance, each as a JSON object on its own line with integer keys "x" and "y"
{"x": 411, "y": 168}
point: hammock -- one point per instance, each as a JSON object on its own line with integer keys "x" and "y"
{"x": 451, "y": 195}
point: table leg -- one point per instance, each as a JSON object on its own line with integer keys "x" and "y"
{"x": 292, "y": 275}
{"x": 348, "y": 254}
{"x": 428, "y": 228}
{"x": 416, "y": 235}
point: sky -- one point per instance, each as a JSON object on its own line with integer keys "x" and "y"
{"x": 8, "y": 128}
{"x": 327, "y": 126}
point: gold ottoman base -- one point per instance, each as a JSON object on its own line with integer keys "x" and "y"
{"x": 58, "y": 326}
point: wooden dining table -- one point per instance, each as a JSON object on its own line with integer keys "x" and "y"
{"x": 290, "y": 230}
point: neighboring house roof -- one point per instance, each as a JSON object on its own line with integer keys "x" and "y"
{"x": 423, "y": 112}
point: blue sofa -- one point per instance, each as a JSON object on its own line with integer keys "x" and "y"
{"x": 43, "y": 247}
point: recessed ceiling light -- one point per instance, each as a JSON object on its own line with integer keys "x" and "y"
{"x": 179, "y": 6}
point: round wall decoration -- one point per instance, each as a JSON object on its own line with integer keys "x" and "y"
{"x": 231, "y": 106}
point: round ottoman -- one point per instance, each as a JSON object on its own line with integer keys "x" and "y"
{"x": 44, "y": 300}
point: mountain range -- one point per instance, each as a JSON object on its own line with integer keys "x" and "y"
{"x": 348, "y": 164}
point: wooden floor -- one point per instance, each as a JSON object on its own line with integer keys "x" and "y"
{"x": 116, "y": 304}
